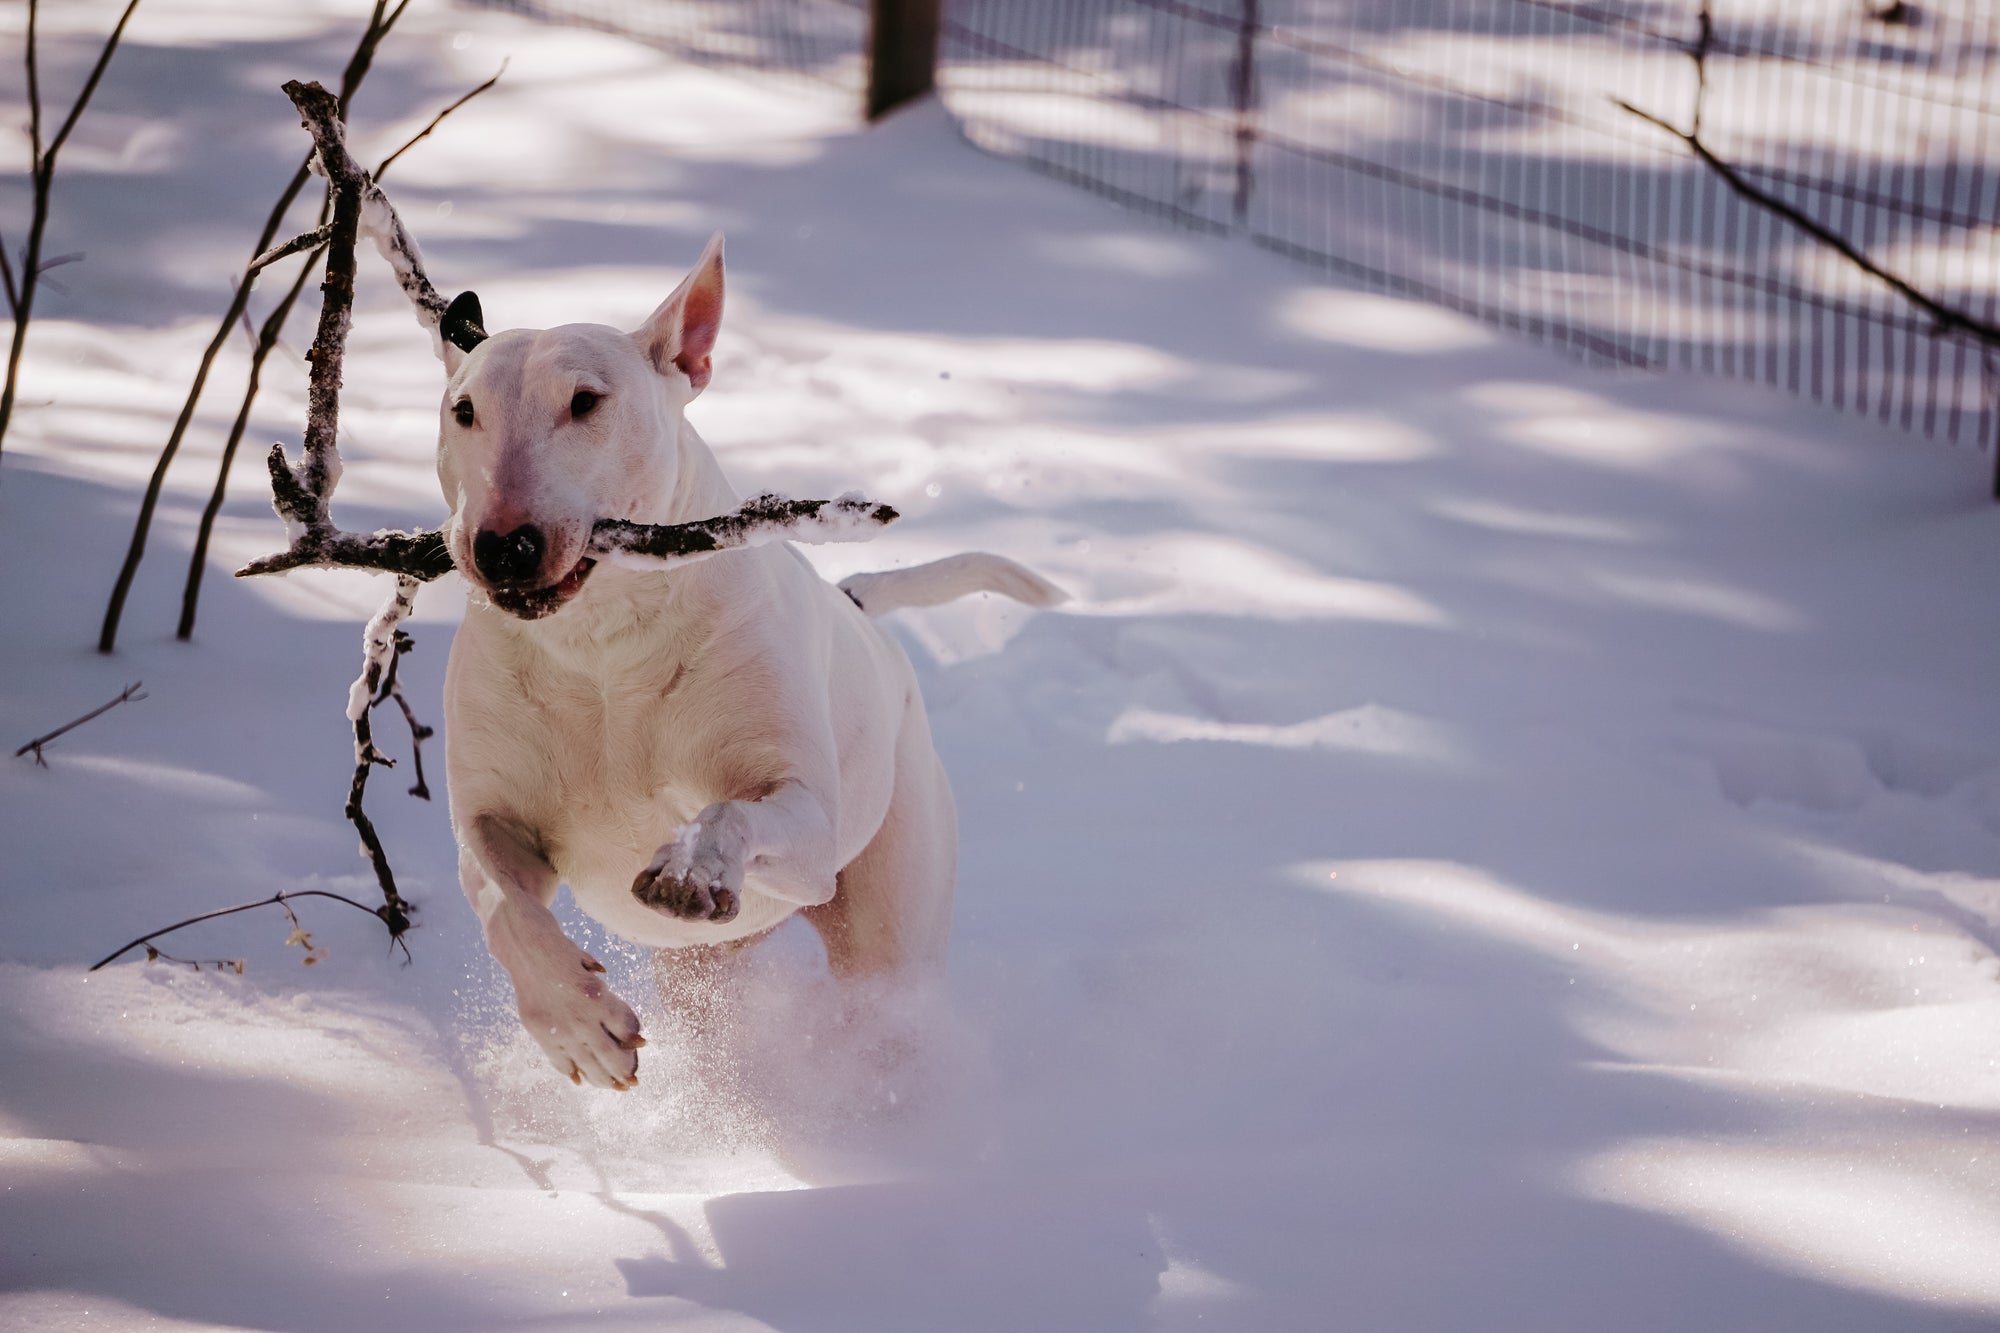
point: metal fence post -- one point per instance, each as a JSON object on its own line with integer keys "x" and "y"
{"x": 902, "y": 52}
{"x": 1243, "y": 91}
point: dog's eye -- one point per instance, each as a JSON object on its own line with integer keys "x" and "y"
{"x": 582, "y": 403}
{"x": 462, "y": 411}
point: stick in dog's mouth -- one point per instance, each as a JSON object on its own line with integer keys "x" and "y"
{"x": 534, "y": 603}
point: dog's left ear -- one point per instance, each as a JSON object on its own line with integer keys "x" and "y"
{"x": 680, "y": 335}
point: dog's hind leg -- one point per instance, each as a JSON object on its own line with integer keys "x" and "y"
{"x": 891, "y": 911}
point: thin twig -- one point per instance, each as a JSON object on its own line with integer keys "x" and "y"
{"x": 276, "y": 898}
{"x": 235, "y": 965}
{"x": 130, "y": 694}
{"x": 311, "y": 240}
{"x": 7, "y": 273}
{"x": 34, "y": 91}
{"x": 436, "y": 121}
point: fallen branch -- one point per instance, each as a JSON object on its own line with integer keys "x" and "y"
{"x": 130, "y": 694}
{"x": 42, "y": 172}
{"x": 279, "y": 899}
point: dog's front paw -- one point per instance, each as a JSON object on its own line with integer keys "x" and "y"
{"x": 694, "y": 877}
{"x": 586, "y": 1031}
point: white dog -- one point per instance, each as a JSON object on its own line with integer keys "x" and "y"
{"x": 699, "y": 752}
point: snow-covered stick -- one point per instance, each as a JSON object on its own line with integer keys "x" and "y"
{"x": 760, "y": 520}
{"x": 418, "y": 555}
{"x": 379, "y": 648}
{"x": 423, "y": 556}
{"x": 311, "y": 240}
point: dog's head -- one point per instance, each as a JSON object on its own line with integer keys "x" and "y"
{"x": 544, "y": 431}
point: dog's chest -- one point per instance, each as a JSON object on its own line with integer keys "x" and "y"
{"x": 601, "y": 764}
{"x": 626, "y": 772}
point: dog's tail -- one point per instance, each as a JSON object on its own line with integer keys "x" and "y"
{"x": 888, "y": 590}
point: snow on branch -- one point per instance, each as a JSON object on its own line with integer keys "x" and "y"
{"x": 764, "y": 518}
{"x": 382, "y": 643}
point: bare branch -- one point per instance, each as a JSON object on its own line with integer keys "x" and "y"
{"x": 89, "y": 88}
{"x": 436, "y": 121}
{"x": 275, "y": 899}
{"x": 7, "y": 273}
{"x": 1945, "y": 318}
{"x": 262, "y": 342}
{"x": 21, "y": 292}
{"x": 34, "y": 94}
{"x": 130, "y": 694}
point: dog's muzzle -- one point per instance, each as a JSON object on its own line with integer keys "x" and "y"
{"x": 534, "y": 603}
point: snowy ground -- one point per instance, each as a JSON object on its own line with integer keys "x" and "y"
{"x": 1491, "y": 846}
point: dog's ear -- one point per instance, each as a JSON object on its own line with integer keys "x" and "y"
{"x": 462, "y": 327}
{"x": 680, "y": 335}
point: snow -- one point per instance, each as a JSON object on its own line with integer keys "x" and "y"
{"x": 1490, "y": 846}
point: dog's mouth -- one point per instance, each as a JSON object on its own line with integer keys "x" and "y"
{"x": 534, "y": 603}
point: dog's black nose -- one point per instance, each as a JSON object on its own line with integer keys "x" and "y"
{"x": 513, "y": 559}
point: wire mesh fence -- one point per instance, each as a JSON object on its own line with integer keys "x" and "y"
{"x": 820, "y": 40}
{"x": 1473, "y": 153}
